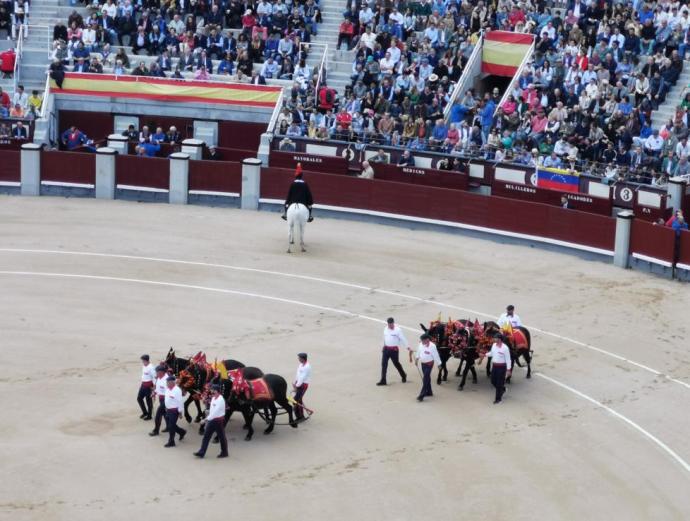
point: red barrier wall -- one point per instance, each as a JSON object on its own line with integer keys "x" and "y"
{"x": 421, "y": 176}
{"x": 150, "y": 172}
{"x": 332, "y": 165}
{"x": 68, "y": 167}
{"x": 582, "y": 202}
{"x": 652, "y": 240}
{"x": 215, "y": 176}
{"x": 451, "y": 205}
{"x": 240, "y": 134}
{"x": 684, "y": 250}
{"x": 9, "y": 165}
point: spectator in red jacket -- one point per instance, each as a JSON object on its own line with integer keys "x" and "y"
{"x": 344, "y": 118}
{"x": 7, "y": 67}
{"x": 347, "y": 30}
{"x": 326, "y": 98}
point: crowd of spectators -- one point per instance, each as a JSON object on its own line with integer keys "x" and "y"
{"x": 16, "y": 113}
{"x": 189, "y": 39}
{"x": 584, "y": 101}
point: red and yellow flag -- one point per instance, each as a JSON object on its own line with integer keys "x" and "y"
{"x": 166, "y": 89}
{"x": 504, "y": 51}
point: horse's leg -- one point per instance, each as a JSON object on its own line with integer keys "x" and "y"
{"x": 302, "y": 226}
{"x": 248, "y": 413}
{"x": 199, "y": 416}
{"x": 286, "y": 405}
{"x": 273, "y": 412}
{"x": 291, "y": 226}
{"x": 188, "y": 416}
{"x": 457, "y": 373}
{"x": 528, "y": 359}
{"x": 464, "y": 375}
{"x": 445, "y": 370}
{"x": 488, "y": 367}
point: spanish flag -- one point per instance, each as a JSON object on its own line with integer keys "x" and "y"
{"x": 504, "y": 51}
{"x": 168, "y": 90}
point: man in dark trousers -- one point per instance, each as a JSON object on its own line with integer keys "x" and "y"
{"x": 148, "y": 376}
{"x": 500, "y": 366}
{"x": 299, "y": 193}
{"x": 173, "y": 408}
{"x": 393, "y": 341}
{"x": 160, "y": 387}
{"x": 301, "y": 384}
{"x": 426, "y": 355}
{"x": 215, "y": 424}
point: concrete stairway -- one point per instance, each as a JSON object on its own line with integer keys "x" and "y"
{"x": 667, "y": 110}
{"x": 35, "y": 58}
{"x": 339, "y": 63}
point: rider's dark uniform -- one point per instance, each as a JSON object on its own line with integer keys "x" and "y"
{"x": 299, "y": 193}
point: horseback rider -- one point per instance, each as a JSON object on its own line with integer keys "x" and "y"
{"x": 299, "y": 193}
{"x": 509, "y": 317}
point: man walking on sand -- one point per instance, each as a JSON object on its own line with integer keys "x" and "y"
{"x": 393, "y": 341}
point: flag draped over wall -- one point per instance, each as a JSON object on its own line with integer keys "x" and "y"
{"x": 165, "y": 89}
{"x": 504, "y": 51}
{"x": 558, "y": 179}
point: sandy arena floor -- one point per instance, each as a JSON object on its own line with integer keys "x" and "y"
{"x": 600, "y": 432}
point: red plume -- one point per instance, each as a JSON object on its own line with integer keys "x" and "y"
{"x": 298, "y": 169}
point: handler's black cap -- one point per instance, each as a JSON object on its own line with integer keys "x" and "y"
{"x": 302, "y": 355}
{"x": 499, "y": 336}
{"x": 171, "y": 378}
{"x": 510, "y": 307}
{"x": 215, "y": 388}
{"x": 161, "y": 369}
{"x": 390, "y": 320}
{"x": 425, "y": 337}
{"x": 145, "y": 357}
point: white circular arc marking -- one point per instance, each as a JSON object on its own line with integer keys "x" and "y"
{"x": 685, "y": 465}
{"x": 348, "y": 285}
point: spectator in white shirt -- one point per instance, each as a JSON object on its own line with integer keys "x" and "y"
{"x": 653, "y": 144}
{"x": 368, "y": 38}
{"x": 683, "y": 148}
{"x": 20, "y": 98}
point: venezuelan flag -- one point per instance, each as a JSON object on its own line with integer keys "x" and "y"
{"x": 164, "y": 89}
{"x": 504, "y": 51}
{"x": 558, "y": 179}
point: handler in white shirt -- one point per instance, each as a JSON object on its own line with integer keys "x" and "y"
{"x": 426, "y": 354}
{"x": 500, "y": 366}
{"x": 160, "y": 387}
{"x": 393, "y": 340}
{"x": 215, "y": 424}
{"x": 173, "y": 408}
{"x": 301, "y": 384}
{"x": 509, "y": 317}
{"x": 148, "y": 375}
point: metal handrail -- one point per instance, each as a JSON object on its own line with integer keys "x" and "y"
{"x": 460, "y": 85}
{"x": 46, "y": 94}
{"x": 19, "y": 51}
{"x": 323, "y": 71}
{"x": 517, "y": 75}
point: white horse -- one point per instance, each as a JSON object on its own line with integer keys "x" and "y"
{"x": 297, "y": 213}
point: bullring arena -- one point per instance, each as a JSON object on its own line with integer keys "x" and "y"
{"x": 599, "y": 432}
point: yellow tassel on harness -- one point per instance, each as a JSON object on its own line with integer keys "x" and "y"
{"x": 220, "y": 367}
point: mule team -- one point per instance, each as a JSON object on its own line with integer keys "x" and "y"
{"x": 471, "y": 342}
{"x": 223, "y": 387}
